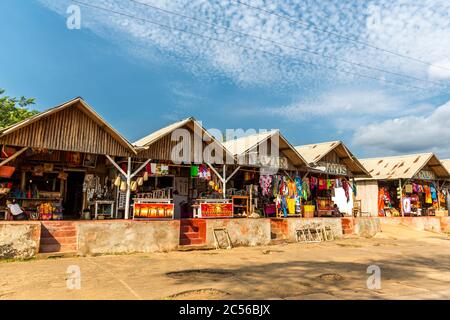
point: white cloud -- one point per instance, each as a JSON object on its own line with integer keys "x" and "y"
{"x": 418, "y": 29}
{"x": 440, "y": 71}
{"x": 408, "y": 134}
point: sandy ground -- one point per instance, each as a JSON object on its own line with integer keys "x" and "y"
{"x": 413, "y": 264}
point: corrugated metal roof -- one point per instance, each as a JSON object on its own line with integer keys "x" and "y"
{"x": 85, "y": 107}
{"x": 315, "y": 152}
{"x": 244, "y": 144}
{"x": 403, "y": 167}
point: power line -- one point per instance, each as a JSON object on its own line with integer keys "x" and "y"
{"x": 242, "y": 46}
{"x": 360, "y": 65}
{"x": 313, "y": 26}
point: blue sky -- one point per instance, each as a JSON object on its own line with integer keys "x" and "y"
{"x": 140, "y": 77}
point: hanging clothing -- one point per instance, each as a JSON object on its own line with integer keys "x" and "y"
{"x": 291, "y": 205}
{"x": 265, "y": 183}
{"x": 433, "y": 191}
{"x": 428, "y": 198}
{"x": 346, "y": 187}
{"x": 406, "y": 205}
{"x": 322, "y": 184}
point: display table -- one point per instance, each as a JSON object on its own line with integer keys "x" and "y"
{"x": 213, "y": 208}
{"x": 103, "y": 208}
{"x": 153, "y": 209}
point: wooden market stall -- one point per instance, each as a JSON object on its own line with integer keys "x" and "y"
{"x": 272, "y": 172}
{"x": 55, "y": 165}
{"x": 410, "y": 185}
{"x": 187, "y": 175}
{"x": 332, "y": 182}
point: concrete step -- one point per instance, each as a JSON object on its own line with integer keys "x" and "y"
{"x": 188, "y": 228}
{"x": 185, "y": 241}
{"x": 190, "y": 235}
{"x": 58, "y": 240}
{"x": 54, "y": 248}
{"x": 58, "y": 233}
{"x": 277, "y": 241}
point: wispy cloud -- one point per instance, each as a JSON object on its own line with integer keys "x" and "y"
{"x": 419, "y": 29}
{"x": 408, "y": 134}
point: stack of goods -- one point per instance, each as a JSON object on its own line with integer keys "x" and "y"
{"x": 5, "y": 188}
{"x": 45, "y": 211}
{"x": 286, "y": 191}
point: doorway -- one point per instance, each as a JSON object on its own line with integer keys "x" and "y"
{"x": 73, "y": 204}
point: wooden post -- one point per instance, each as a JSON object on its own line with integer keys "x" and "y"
{"x": 128, "y": 195}
{"x": 401, "y": 197}
{"x": 224, "y": 181}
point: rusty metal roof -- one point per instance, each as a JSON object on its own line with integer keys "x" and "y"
{"x": 404, "y": 167}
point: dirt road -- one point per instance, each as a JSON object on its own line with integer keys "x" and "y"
{"x": 414, "y": 265}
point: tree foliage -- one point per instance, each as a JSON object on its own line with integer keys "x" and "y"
{"x": 13, "y": 110}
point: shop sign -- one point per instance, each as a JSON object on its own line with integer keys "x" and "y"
{"x": 426, "y": 175}
{"x": 153, "y": 210}
{"x": 268, "y": 161}
{"x": 217, "y": 210}
{"x": 332, "y": 168}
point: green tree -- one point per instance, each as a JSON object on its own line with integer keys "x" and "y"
{"x": 13, "y": 110}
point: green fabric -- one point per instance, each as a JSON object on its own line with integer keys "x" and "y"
{"x": 194, "y": 171}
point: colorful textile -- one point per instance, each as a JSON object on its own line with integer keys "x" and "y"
{"x": 291, "y": 205}
{"x": 433, "y": 191}
{"x": 194, "y": 171}
{"x": 265, "y": 183}
{"x": 322, "y": 184}
{"x": 428, "y": 198}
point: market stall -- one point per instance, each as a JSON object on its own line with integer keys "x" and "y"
{"x": 54, "y": 169}
{"x": 330, "y": 188}
{"x": 406, "y": 185}
{"x": 182, "y": 176}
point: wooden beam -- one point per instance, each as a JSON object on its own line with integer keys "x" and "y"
{"x": 140, "y": 168}
{"x": 15, "y": 155}
{"x": 116, "y": 166}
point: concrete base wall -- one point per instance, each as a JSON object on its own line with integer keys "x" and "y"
{"x": 19, "y": 240}
{"x": 445, "y": 224}
{"x": 243, "y": 232}
{"x": 367, "y": 227}
{"x": 294, "y": 224}
{"x": 127, "y": 237}
{"x": 418, "y": 223}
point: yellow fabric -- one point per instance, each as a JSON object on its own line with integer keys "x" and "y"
{"x": 291, "y": 206}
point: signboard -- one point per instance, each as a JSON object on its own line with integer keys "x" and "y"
{"x": 332, "y": 168}
{"x": 153, "y": 210}
{"x": 217, "y": 210}
{"x": 268, "y": 161}
{"x": 426, "y": 175}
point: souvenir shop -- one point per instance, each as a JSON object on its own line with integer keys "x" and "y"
{"x": 410, "y": 185}
{"x": 333, "y": 190}
{"x": 42, "y": 177}
{"x": 169, "y": 191}
{"x": 294, "y": 196}
{"x": 187, "y": 190}
{"x": 411, "y": 198}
